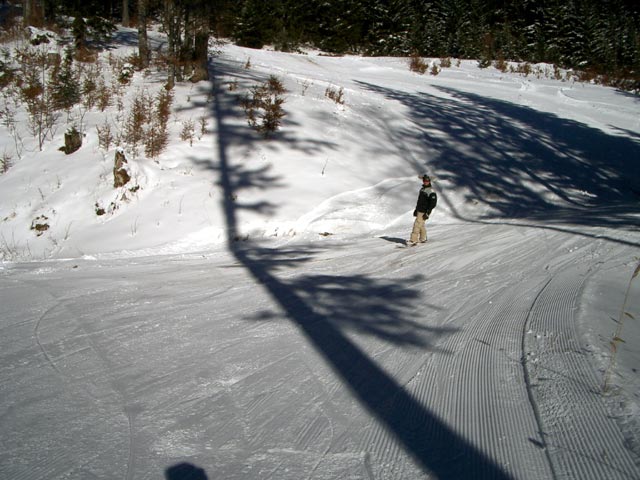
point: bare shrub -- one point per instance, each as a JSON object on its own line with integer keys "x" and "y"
{"x": 85, "y": 55}
{"x": 557, "y": 73}
{"x": 40, "y": 224}
{"x": 105, "y": 136}
{"x": 337, "y": 95}
{"x": 5, "y": 162}
{"x": 522, "y": 68}
{"x": 8, "y": 117}
{"x": 103, "y": 95}
{"x": 135, "y": 61}
{"x": 445, "y": 62}
{"x": 417, "y": 64}
{"x": 617, "y": 336}
{"x": 501, "y": 64}
{"x": 188, "y": 131}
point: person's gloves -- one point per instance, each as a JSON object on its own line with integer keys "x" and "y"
{"x": 415, "y": 213}
{"x": 425, "y": 215}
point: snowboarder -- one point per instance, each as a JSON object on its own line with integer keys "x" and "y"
{"x": 427, "y": 200}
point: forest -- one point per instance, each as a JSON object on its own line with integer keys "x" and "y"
{"x": 601, "y": 37}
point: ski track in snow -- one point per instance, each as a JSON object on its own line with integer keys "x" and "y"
{"x": 580, "y": 439}
{"x": 508, "y": 359}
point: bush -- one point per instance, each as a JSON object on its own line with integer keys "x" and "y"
{"x": 138, "y": 117}
{"x": 417, "y": 64}
{"x": 64, "y": 83}
{"x": 126, "y": 73}
{"x": 263, "y": 108}
{"x": 163, "y": 108}
{"x": 105, "y": 137}
{"x": 188, "y": 131}
{"x": 157, "y": 134}
{"x": 484, "y": 62}
{"x": 40, "y": 224}
{"x": 501, "y": 64}
{"x": 272, "y": 116}
{"x": 5, "y": 163}
{"x": 335, "y": 95}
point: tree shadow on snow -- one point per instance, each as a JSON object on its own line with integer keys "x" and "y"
{"x": 523, "y": 163}
{"x": 325, "y": 308}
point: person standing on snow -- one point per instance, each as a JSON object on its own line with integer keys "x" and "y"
{"x": 427, "y": 200}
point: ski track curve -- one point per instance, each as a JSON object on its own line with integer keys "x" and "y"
{"x": 474, "y": 382}
{"x": 73, "y": 373}
{"x": 581, "y": 439}
{"x": 513, "y": 382}
{"x": 478, "y": 392}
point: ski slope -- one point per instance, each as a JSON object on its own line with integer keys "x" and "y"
{"x": 252, "y": 313}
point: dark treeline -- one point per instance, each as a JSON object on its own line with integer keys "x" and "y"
{"x": 602, "y": 36}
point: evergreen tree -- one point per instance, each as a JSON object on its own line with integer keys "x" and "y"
{"x": 65, "y": 83}
{"x": 387, "y": 28}
{"x": 257, "y": 23}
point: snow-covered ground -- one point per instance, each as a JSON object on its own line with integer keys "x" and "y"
{"x": 250, "y": 311}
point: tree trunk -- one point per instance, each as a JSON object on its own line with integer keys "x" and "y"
{"x": 125, "y": 13}
{"x": 143, "y": 42}
{"x": 172, "y": 27}
{"x": 201, "y": 55}
{"x": 33, "y": 13}
{"x": 186, "y": 48}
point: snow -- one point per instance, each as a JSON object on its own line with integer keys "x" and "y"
{"x": 250, "y": 311}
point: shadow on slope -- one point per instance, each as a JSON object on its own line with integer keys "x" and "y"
{"x": 323, "y": 306}
{"x": 185, "y": 471}
{"x": 523, "y": 163}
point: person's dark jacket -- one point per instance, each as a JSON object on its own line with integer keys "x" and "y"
{"x": 427, "y": 200}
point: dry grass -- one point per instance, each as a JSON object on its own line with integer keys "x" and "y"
{"x": 617, "y": 336}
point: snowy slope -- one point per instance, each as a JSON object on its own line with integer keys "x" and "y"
{"x": 251, "y": 311}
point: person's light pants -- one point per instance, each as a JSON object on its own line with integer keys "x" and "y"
{"x": 419, "y": 232}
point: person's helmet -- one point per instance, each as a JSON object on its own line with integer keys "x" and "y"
{"x": 426, "y": 177}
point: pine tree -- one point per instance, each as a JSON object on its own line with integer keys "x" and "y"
{"x": 255, "y": 24}
{"x": 65, "y": 83}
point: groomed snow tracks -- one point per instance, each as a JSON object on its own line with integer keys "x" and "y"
{"x": 582, "y": 441}
{"x": 515, "y": 384}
